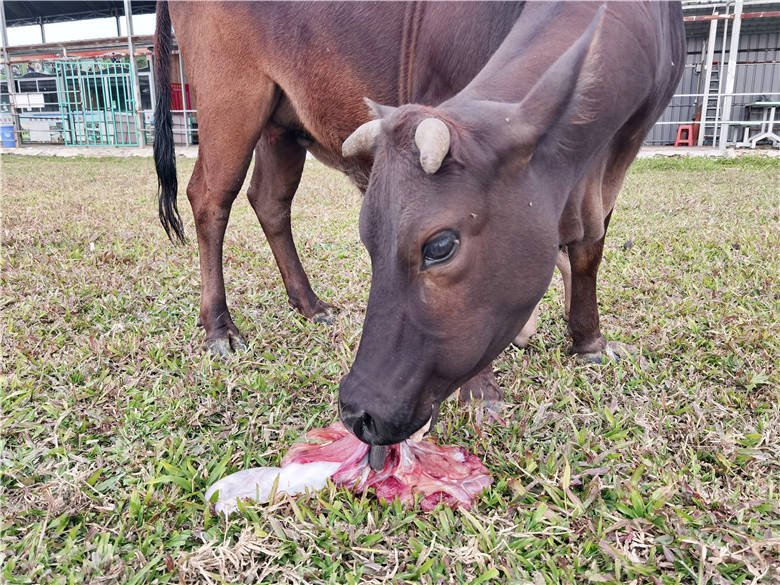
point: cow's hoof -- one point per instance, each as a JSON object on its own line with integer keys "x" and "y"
{"x": 224, "y": 346}
{"x": 484, "y": 387}
{"x": 219, "y": 347}
{"x": 614, "y": 351}
{"x": 325, "y": 317}
{"x": 237, "y": 342}
{"x": 490, "y": 410}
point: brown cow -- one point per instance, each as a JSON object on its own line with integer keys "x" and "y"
{"x": 470, "y": 201}
{"x": 284, "y": 78}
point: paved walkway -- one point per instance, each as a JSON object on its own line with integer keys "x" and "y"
{"x": 192, "y": 151}
{"x": 93, "y": 151}
{"x": 701, "y": 151}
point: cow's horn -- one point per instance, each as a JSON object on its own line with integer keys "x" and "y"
{"x": 432, "y": 137}
{"x": 362, "y": 140}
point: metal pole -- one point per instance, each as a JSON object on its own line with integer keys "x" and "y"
{"x": 126, "y": 118}
{"x": 152, "y": 87}
{"x": 86, "y": 101}
{"x": 733, "y": 49}
{"x": 707, "y": 76}
{"x": 115, "y": 78}
{"x": 140, "y": 136}
{"x": 118, "y": 27}
{"x": 9, "y": 76}
{"x": 719, "y": 102}
{"x": 43, "y": 32}
{"x": 107, "y": 105}
{"x": 187, "y": 133}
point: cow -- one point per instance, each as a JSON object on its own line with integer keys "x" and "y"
{"x": 470, "y": 201}
{"x": 281, "y": 79}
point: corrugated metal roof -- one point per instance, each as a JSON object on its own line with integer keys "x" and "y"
{"x": 20, "y": 12}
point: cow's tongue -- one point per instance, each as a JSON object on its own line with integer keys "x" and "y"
{"x": 378, "y": 453}
{"x": 376, "y": 457}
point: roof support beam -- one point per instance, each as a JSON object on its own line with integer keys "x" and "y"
{"x": 707, "y": 78}
{"x": 140, "y": 135}
{"x": 184, "y": 103}
{"x": 9, "y": 75}
{"x": 705, "y": 17}
{"x": 731, "y": 74}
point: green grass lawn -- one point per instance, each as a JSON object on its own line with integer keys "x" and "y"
{"x": 114, "y": 421}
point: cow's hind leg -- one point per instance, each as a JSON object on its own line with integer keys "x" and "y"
{"x": 279, "y": 161}
{"x": 227, "y": 138}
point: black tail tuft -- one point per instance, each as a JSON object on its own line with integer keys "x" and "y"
{"x": 164, "y": 150}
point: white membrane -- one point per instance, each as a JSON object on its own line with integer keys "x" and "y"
{"x": 256, "y": 484}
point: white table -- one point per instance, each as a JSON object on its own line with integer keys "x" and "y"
{"x": 768, "y": 121}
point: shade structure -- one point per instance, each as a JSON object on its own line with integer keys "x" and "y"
{"x": 25, "y": 12}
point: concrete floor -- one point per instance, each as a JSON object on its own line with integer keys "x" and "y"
{"x": 192, "y": 151}
{"x": 93, "y": 151}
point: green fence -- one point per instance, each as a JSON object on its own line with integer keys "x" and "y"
{"x": 96, "y": 103}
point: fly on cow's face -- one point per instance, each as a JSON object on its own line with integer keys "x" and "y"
{"x": 440, "y": 248}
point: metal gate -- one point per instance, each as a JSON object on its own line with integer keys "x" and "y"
{"x": 96, "y": 103}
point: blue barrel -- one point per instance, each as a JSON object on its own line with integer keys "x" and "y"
{"x": 7, "y": 136}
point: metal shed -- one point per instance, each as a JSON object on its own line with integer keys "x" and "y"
{"x": 732, "y": 67}
{"x": 730, "y": 81}
{"x": 79, "y": 102}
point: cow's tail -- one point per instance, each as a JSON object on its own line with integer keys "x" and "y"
{"x": 164, "y": 151}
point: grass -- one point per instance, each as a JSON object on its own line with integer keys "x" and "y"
{"x": 114, "y": 421}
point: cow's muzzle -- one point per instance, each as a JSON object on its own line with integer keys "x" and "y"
{"x": 375, "y": 432}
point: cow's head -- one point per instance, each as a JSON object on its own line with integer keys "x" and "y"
{"x": 463, "y": 234}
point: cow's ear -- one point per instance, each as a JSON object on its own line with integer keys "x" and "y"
{"x": 378, "y": 111}
{"x": 553, "y": 92}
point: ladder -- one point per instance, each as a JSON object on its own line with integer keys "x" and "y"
{"x": 709, "y": 130}
{"x": 711, "y": 108}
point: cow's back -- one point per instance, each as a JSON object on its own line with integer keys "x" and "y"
{"x": 325, "y": 57}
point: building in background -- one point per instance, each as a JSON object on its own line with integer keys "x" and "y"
{"x": 86, "y": 92}
{"x": 735, "y": 106}
{"x": 90, "y": 92}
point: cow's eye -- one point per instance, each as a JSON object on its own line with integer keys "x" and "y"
{"x": 440, "y": 248}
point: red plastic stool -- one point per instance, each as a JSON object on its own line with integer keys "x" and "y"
{"x": 684, "y": 135}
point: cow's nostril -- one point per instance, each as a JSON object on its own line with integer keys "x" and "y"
{"x": 363, "y": 426}
{"x": 361, "y": 423}
{"x": 369, "y": 429}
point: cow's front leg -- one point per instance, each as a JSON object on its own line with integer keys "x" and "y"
{"x": 484, "y": 387}
{"x": 523, "y": 338}
{"x": 564, "y": 267}
{"x": 483, "y": 391}
{"x": 589, "y": 344}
